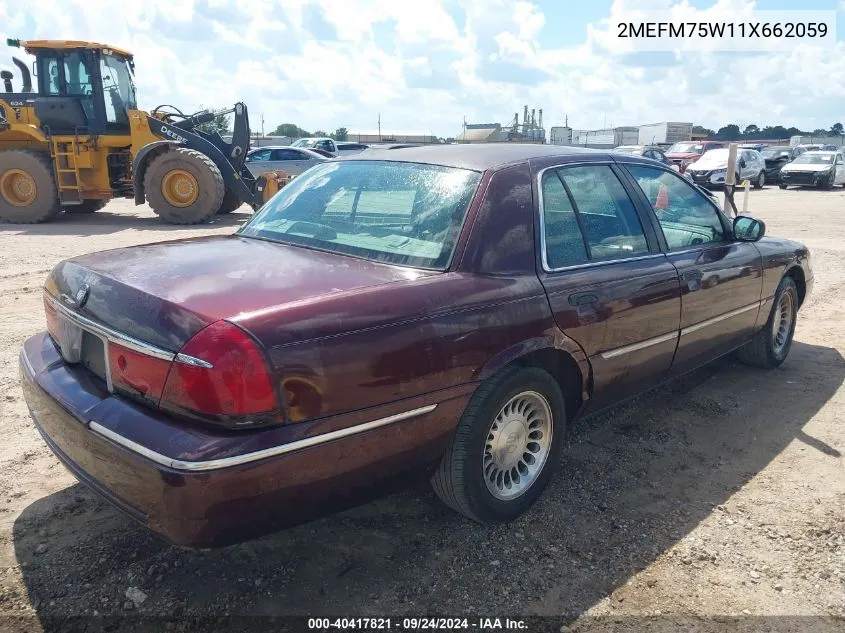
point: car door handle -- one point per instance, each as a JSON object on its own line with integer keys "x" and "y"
{"x": 583, "y": 298}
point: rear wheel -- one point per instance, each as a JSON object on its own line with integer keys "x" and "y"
{"x": 782, "y": 186}
{"x": 761, "y": 180}
{"x": 28, "y": 192}
{"x": 231, "y": 202}
{"x": 771, "y": 345}
{"x": 505, "y": 448}
{"x": 87, "y": 206}
{"x": 184, "y": 186}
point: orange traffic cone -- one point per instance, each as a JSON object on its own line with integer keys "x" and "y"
{"x": 662, "y": 201}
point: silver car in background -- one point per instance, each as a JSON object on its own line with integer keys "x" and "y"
{"x": 291, "y": 160}
{"x": 712, "y": 168}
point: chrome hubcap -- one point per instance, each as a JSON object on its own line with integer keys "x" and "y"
{"x": 782, "y": 323}
{"x": 518, "y": 445}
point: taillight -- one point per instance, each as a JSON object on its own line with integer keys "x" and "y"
{"x": 52, "y": 320}
{"x": 221, "y": 375}
{"x": 136, "y": 373}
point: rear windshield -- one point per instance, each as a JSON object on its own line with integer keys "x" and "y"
{"x": 398, "y": 213}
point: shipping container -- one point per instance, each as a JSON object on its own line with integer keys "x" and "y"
{"x": 664, "y": 133}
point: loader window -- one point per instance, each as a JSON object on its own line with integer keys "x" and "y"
{"x": 78, "y": 82}
{"x": 118, "y": 90}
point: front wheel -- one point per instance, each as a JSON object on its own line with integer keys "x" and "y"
{"x": 184, "y": 186}
{"x": 782, "y": 186}
{"x": 828, "y": 184}
{"x": 505, "y": 448}
{"x": 771, "y": 345}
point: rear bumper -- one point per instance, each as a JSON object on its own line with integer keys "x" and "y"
{"x": 201, "y": 488}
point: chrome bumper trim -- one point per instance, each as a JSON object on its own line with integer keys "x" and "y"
{"x": 237, "y": 460}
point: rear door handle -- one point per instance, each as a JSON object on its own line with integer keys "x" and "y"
{"x": 583, "y": 298}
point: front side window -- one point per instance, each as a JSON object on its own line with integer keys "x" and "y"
{"x": 399, "y": 213}
{"x": 286, "y": 154}
{"x": 686, "y": 217}
{"x": 258, "y": 155}
{"x": 118, "y": 89}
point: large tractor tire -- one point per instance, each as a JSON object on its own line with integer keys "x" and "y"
{"x": 28, "y": 192}
{"x": 231, "y": 202}
{"x": 184, "y": 186}
{"x": 87, "y": 206}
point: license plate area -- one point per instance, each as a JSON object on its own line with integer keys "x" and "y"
{"x": 93, "y": 356}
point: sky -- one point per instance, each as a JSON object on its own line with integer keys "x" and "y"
{"x": 425, "y": 66}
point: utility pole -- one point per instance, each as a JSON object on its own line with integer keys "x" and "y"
{"x": 262, "y": 124}
{"x": 379, "y": 126}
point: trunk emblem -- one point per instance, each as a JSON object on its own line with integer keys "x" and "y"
{"x": 78, "y": 300}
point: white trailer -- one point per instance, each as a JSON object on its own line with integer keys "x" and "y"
{"x": 560, "y": 135}
{"x": 664, "y": 133}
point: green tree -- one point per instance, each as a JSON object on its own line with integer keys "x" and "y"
{"x": 729, "y": 132}
{"x": 320, "y": 133}
{"x": 819, "y": 132}
{"x": 700, "y": 129}
{"x": 221, "y": 123}
{"x": 289, "y": 129}
{"x": 340, "y": 134}
{"x": 836, "y": 128}
{"x": 750, "y": 131}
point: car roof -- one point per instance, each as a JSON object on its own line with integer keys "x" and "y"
{"x": 478, "y": 157}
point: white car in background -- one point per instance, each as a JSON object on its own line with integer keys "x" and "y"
{"x": 816, "y": 169}
{"x": 291, "y": 160}
{"x": 712, "y": 168}
{"x": 335, "y": 148}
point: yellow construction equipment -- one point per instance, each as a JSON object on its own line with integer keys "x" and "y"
{"x": 79, "y": 140}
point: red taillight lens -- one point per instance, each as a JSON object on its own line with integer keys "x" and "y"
{"x": 136, "y": 373}
{"x": 237, "y": 383}
{"x": 52, "y": 319}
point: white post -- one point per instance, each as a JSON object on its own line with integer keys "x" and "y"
{"x": 729, "y": 176}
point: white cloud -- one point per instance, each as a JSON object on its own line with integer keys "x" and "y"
{"x": 426, "y": 64}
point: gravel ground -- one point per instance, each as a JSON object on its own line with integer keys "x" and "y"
{"x": 716, "y": 502}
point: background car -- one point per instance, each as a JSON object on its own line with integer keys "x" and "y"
{"x": 646, "y": 151}
{"x": 816, "y": 169}
{"x": 329, "y": 146}
{"x": 291, "y": 160}
{"x": 345, "y": 148}
{"x": 712, "y": 168}
{"x": 776, "y": 156}
{"x": 684, "y": 154}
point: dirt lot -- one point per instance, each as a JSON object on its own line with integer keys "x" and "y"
{"x": 720, "y": 495}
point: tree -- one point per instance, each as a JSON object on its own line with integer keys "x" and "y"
{"x": 320, "y": 133}
{"x": 729, "y": 132}
{"x": 340, "y": 134}
{"x": 819, "y": 132}
{"x": 700, "y": 129}
{"x": 290, "y": 129}
{"x": 221, "y": 123}
{"x": 836, "y": 128}
{"x": 750, "y": 130}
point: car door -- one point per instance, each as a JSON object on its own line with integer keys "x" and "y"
{"x": 290, "y": 160}
{"x": 609, "y": 287}
{"x": 840, "y": 170}
{"x": 258, "y": 161}
{"x": 721, "y": 278}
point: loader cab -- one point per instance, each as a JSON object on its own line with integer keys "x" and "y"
{"x": 83, "y": 90}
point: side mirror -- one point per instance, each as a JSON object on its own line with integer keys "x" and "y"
{"x": 742, "y": 162}
{"x": 748, "y": 229}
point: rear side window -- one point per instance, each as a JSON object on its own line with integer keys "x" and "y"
{"x": 588, "y": 216}
{"x": 261, "y": 154}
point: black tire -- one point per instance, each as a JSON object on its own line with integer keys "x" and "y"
{"x": 459, "y": 480}
{"x": 827, "y": 185}
{"x": 782, "y": 186}
{"x": 231, "y": 202}
{"x": 762, "y": 351}
{"x": 208, "y": 178}
{"x": 87, "y": 206}
{"x": 45, "y": 206}
{"x": 761, "y": 181}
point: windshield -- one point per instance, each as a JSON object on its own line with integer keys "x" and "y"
{"x": 399, "y": 213}
{"x": 811, "y": 158}
{"x": 714, "y": 156}
{"x": 776, "y": 152}
{"x": 118, "y": 88}
{"x": 687, "y": 148}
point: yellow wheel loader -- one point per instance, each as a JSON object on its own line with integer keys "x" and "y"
{"x": 79, "y": 140}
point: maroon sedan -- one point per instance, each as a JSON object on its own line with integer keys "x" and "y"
{"x": 438, "y": 312}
